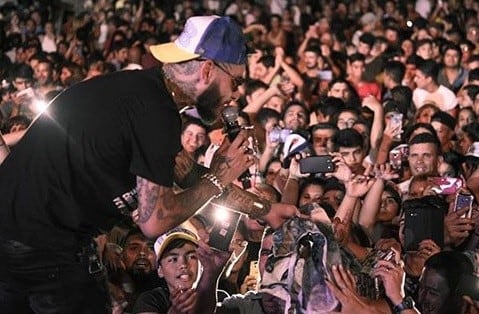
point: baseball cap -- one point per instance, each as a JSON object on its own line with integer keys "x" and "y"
{"x": 444, "y": 118}
{"x": 165, "y": 239}
{"x": 212, "y": 37}
{"x": 473, "y": 150}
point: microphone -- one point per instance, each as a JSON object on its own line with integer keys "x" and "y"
{"x": 232, "y": 128}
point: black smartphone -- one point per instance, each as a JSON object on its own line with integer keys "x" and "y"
{"x": 316, "y": 164}
{"x": 226, "y": 222}
{"x": 421, "y": 223}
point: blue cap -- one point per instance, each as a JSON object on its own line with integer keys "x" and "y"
{"x": 211, "y": 37}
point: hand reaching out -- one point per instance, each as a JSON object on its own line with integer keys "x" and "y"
{"x": 343, "y": 286}
{"x": 359, "y": 185}
{"x": 385, "y": 172}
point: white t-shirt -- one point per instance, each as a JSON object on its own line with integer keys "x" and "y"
{"x": 443, "y": 98}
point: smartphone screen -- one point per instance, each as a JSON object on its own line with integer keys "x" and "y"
{"x": 464, "y": 200}
{"x": 316, "y": 164}
{"x": 253, "y": 269}
{"x": 226, "y": 222}
{"x": 422, "y": 223}
{"x": 395, "y": 159}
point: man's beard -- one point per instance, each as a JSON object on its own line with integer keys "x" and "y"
{"x": 207, "y": 104}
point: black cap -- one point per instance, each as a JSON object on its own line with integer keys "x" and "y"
{"x": 445, "y": 119}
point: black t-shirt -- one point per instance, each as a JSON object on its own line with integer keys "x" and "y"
{"x": 74, "y": 172}
{"x": 153, "y": 301}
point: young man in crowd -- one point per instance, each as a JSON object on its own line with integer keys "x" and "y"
{"x": 428, "y": 89}
{"x": 178, "y": 265}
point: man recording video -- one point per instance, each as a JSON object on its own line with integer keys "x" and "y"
{"x": 106, "y": 148}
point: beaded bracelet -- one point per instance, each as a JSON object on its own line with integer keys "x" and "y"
{"x": 216, "y": 182}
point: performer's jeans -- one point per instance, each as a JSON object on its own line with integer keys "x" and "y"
{"x": 40, "y": 281}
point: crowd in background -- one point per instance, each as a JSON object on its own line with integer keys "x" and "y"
{"x": 389, "y": 89}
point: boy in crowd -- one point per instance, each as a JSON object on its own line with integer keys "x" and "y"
{"x": 178, "y": 265}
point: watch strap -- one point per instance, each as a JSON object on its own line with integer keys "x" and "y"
{"x": 406, "y": 304}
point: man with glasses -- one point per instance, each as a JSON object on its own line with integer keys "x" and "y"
{"x": 104, "y": 151}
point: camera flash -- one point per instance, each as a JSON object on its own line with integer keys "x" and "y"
{"x": 221, "y": 213}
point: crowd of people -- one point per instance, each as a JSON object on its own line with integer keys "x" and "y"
{"x": 378, "y": 99}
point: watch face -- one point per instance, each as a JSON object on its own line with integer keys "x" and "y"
{"x": 408, "y": 303}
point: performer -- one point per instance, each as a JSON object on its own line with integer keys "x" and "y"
{"x": 104, "y": 148}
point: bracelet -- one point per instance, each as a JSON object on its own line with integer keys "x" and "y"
{"x": 260, "y": 208}
{"x": 216, "y": 182}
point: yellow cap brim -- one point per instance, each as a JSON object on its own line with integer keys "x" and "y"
{"x": 171, "y": 53}
{"x": 174, "y": 236}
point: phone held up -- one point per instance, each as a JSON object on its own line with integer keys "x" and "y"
{"x": 316, "y": 164}
{"x": 464, "y": 199}
{"x": 225, "y": 224}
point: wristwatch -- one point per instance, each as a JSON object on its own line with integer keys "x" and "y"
{"x": 406, "y": 304}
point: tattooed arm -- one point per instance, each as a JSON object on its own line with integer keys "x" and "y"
{"x": 187, "y": 171}
{"x": 159, "y": 209}
{"x": 258, "y": 208}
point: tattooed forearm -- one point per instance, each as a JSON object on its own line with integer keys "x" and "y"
{"x": 187, "y": 171}
{"x": 160, "y": 209}
{"x": 148, "y": 195}
{"x": 245, "y": 202}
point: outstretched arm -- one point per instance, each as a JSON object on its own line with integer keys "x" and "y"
{"x": 160, "y": 209}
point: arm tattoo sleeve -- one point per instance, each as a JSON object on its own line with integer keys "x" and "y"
{"x": 245, "y": 202}
{"x": 148, "y": 195}
{"x": 171, "y": 209}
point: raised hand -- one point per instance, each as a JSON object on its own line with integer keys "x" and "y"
{"x": 343, "y": 286}
{"x": 183, "y": 300}
{"x": 231, "y": 160}
{"x": 385, "y": 172}
{"x": 456, "y": 228}
{"x": 393, "y": 277}
{"x": 294, "y": 171}
{"x": 358, "y": 186}
{"x": 250, "y": 283}
{"x": 342, "y": 171}
{"x": 391, "y": 131}
{"x": 213, "y": 261}
{"x": 428, "y": 248}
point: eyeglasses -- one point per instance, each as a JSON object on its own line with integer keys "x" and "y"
{"x": 236, "y": 80}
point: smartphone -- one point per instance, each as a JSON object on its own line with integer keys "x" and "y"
{"x": 316, "y": 164}
{"x": 395, "y": 159}
{"x": 224, "y": 227}
{"x": 254, "y": 269}
{"x": 396, "y": 121}
{"x": 421, "y": 223}
{"x": 464, "y": 199}
{"x": 326, "y": 75}
{"x": 446, "y": 185}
